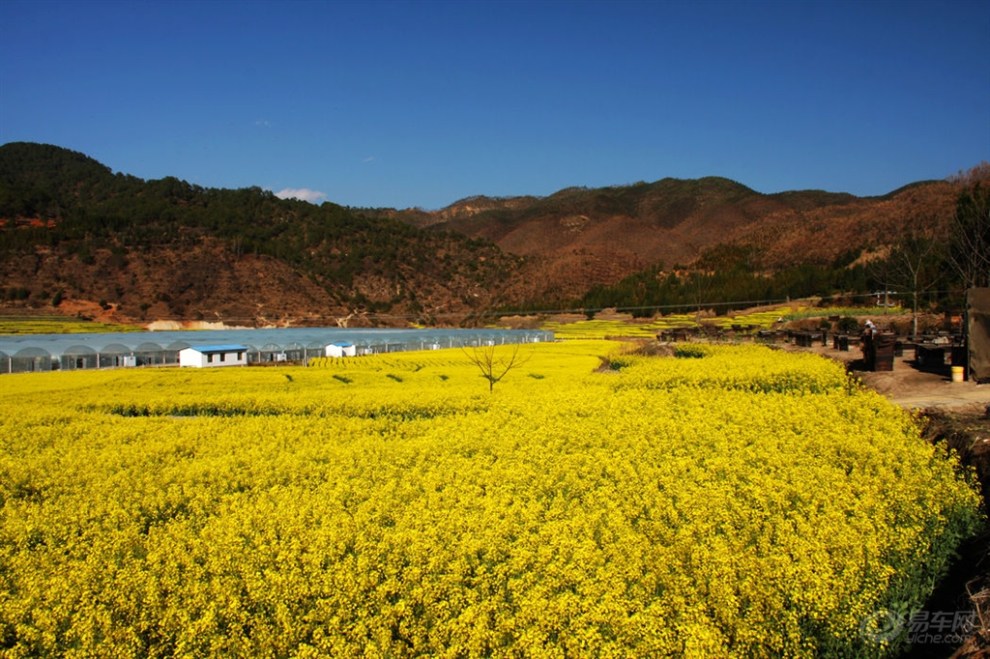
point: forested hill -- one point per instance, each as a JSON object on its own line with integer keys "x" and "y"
{"x": 75, "y": 236}
{"x": 72, "y": 230}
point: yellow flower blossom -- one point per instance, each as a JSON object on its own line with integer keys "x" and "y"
{"x": 733, "y": 501}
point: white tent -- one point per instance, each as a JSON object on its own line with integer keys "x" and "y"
{"x": 341, "y": 349}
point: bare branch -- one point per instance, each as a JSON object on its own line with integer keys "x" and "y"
{"x": 914, "y": 266}
{"x": 969, "y": 237}
{"x": 492, "y": 368}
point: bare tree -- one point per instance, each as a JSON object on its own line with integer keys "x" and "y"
{"x": 700, "y": 284}
{"x": 493, "y": 364}
{"x": 914, "y": 266}
{"x": 969, "y": 237}
{"x": 972, "y": 175}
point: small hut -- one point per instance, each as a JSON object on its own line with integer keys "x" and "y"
{"x": 341, "y": 349}
{"x": 218, "y": 355}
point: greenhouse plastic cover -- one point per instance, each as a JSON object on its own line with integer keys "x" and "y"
{"x": 57, "y": 345}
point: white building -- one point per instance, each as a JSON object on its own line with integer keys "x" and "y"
{"x": 342, "y": 349}
{"x": 219, "y": 355}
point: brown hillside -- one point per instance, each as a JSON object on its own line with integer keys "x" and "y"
{"x": 206, "y": 282}
{"x": 822, "y": 234}
{"x": 209, "y": 282}
{"x": 578, "y": 237}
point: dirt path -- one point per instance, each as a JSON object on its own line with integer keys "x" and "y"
{"x": 921, "y": 390}
{"x": 913, "y": 388}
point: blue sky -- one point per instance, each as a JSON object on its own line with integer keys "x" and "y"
{"x": 403, "y": 104}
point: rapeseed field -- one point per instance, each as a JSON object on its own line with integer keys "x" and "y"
{"x": 728, "y": 501}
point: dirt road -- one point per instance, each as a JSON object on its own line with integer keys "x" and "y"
{"x": 913, "y": 388}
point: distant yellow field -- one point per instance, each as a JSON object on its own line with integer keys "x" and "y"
{"x": 730, "y": 501}
{"x": 750, "y": 320}
{"x": 52, "y": 325}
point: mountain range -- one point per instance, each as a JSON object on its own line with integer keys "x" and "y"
{"x": 76, "y": 237}
{"x": 579, "y": 237}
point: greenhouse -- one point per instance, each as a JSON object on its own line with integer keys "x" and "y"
{"x": 48, "y": 352}
{"x": 28, "y": 359}
{"x": 78, "y": 356}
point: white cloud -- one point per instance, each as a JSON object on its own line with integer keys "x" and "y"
{"x": 369, "y": 159}
{"x": 305, "y": 194}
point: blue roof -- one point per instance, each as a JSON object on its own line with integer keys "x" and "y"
{"x": 342, "y": 344}
{"x": 230, "y": 347}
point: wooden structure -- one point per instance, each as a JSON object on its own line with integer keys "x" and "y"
{"x": 977, "y": 359}
{"x": 878, "y": 351}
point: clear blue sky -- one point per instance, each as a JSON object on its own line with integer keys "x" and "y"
{"x": 422, "y": 103}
